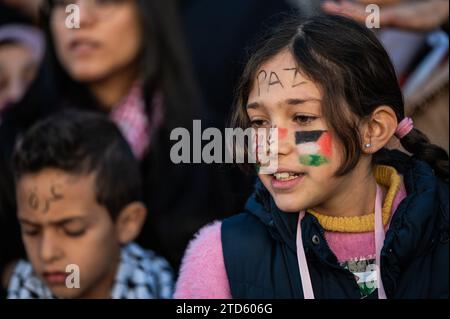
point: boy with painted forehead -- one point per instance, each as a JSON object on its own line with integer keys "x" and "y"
{"x": 79, "y": 207}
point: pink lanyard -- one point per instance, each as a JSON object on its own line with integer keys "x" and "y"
{"x": 379, "y": 240}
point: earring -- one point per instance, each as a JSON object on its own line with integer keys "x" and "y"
{"x": 368, "y": 145}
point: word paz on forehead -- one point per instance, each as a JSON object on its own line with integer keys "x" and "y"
{"x": 274, "y": 79}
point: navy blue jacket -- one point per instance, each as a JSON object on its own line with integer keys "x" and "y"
{"x": 259, "y": 246}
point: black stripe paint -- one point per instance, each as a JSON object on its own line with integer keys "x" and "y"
{"x": 307, "y": 136}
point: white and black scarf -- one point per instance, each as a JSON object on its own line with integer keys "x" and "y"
{"x": 141, "y": 275}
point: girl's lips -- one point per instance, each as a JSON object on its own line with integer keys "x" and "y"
{"x": 55, "y": 278}
{"x": 83, "y": 47}
{"x": 285, "y": 185}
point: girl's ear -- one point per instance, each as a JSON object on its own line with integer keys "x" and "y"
{"x": 379, "y": 129}
{"x": 130, "y": 221}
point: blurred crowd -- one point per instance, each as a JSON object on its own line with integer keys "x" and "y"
{"x": 151, "y": 66}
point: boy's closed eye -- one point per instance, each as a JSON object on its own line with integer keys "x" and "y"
{"x": 74, "y": 231}
{"x": 70, "y": 227}
{"x": 30, "y": 230}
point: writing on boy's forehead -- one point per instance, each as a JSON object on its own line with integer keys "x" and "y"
{"x": 43, "y": 203}
{"x": 33, "y": 200}
{"x": 272, "y": 78}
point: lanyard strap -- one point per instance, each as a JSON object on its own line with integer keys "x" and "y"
{"x": 379, "y": 240}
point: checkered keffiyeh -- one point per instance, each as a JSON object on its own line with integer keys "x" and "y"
{"x": 131, "y": 118}
{"x": 141, "y": 275}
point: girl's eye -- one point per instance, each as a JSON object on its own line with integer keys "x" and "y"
{"x": 304, "y": 119}
{"x": 65, "y": 3}
{"x": 62, "y": 3}
{"x": 259, "y": 123}
{"x": 103, "y": 2}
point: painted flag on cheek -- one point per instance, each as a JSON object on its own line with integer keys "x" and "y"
{"x": 314, "y": 147}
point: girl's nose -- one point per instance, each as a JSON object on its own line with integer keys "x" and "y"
{"x": 286, "y": 141}
{"x": 87, "y": 13}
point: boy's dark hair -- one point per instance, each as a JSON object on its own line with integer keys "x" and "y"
{"x": 83, "y": 143}
{"x": 354, "y": 73}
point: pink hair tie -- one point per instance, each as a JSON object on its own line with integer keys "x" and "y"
{"x": 404, "y": 127}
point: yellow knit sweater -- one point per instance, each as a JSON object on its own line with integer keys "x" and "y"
{"x": 385, "y": 176}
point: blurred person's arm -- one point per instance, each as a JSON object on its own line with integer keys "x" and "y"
{"x": 405, "y": 14}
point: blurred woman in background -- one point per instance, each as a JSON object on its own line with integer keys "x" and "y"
{"x": 127, "y": 60}
{"x": 21, "y": 51}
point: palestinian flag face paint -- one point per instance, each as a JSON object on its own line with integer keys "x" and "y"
{"x": 314, "y": 147}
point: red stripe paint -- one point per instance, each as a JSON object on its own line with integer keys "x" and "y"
{"x": 282, "y": 133}
{"x": 325, "y": 144}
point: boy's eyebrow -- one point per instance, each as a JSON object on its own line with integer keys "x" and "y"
{"x": 66, "y": 221}
{"x": 57, "y": 223}
{"x": 24, "y": 221}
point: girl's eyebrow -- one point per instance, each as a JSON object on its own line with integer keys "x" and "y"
{"x": 291, "y": 101}
{"x": 253, "y": 105}
{"x": 296, "y": 101}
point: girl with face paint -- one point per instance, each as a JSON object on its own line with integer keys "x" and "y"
{"x": 341, "y": 216}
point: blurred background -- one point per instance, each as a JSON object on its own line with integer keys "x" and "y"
{"x": 189, "y": 56}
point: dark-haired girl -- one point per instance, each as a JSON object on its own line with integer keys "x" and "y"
{"x": 341, "y": 217}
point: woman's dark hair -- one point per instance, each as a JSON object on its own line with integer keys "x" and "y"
{"x": 66, "y": 141}
{"x": 164, "y": 64}
{"x": 351, "y": 68}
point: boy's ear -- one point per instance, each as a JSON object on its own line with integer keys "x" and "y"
{"x": 129, "y": 222}
{"x": 379, "y": 129}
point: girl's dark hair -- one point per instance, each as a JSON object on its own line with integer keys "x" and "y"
{"x": 164, "y": 64}
{"x": 351, "y": 68}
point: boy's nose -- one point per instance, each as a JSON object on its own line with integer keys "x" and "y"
{"x": 50, "y": 249}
